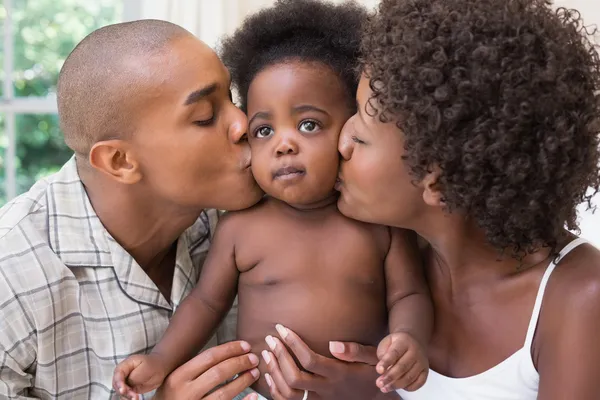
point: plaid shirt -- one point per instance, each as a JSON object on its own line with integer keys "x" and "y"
{"x": 73, "y": 302}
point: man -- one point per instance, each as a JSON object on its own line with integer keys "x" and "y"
{"x": 94, "y": 259}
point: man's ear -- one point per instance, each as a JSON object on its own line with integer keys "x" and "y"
{"x": 116, "y": 159}
{"x": 432, "y": 195}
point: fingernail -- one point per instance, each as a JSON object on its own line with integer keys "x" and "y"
{"x": 337, "y": 347}
{"x": 270, "y": 342}
{"x": 266, "y": 356}
{"x": 269, "y": 380}
{"x": 253, "y": 359}
{"x": 245, "y": 346}
{"x": 253, "y": 396}
{"x": 283, "y": 332}
{"x": 255, "y": 373}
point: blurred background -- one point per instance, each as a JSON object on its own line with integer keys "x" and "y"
{"x": 37, "y": 35}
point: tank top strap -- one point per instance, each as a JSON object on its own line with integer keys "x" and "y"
{"x": 535, "y": 315}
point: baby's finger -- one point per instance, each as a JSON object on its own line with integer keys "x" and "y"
{"x": 419, "y": 382}
{"x": 396, "y": 372}
{"x": 404, "y": 380}
{"x": 391, "y": 357}
{"x": 119, "y": 383}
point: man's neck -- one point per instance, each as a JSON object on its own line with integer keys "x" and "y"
{"x": 147, "y": 231}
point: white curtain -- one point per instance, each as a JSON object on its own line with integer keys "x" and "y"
{"x": 211, "y": 19}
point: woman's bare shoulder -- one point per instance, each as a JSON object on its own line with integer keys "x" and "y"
{"x": 572, "y": 298}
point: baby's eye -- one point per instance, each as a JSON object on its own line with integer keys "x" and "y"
{"x": 263, "y": 132}
{"x": 309, "y": 126}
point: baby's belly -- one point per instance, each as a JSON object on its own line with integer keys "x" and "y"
{"x": 317, "y": 312}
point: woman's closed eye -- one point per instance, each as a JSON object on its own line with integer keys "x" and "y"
{"x": 357, "y": 140}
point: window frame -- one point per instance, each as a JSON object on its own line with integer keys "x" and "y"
{"x": 11, "y": 106}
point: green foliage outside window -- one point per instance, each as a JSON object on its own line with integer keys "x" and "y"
{"x": 45, "y": 31}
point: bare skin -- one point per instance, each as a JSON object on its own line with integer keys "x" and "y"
{"x": 294, "y": 261}
{"x": 482, "y": 304}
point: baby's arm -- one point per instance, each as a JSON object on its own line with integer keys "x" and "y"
{"x": 402, "y": 354}
{"x": 194, "y": 321}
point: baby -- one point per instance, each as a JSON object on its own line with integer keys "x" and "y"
{"x": 293, "y": 259}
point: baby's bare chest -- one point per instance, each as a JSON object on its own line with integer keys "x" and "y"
{"x": 332, "y": 250}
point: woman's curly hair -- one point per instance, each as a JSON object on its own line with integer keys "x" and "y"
{"x": 307, "y": 30}
{"x": 503, "y": 97}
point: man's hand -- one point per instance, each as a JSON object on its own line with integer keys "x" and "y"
{"x": 203, "y": 376}
{"x": 402, "y": 363}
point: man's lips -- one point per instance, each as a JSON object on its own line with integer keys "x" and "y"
{"x": 288, "y": 172}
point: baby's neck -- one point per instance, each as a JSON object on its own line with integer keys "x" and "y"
{"x": 325, "y": 204}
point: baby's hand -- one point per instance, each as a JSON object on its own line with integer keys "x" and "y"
{"x": 402, "y": 363}
{"x": 138, "y": 374}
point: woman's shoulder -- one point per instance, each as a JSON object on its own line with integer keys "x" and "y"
{"x": 572, "y": 299}
{"x": 577, "y": 275}
{"x": 565, "y": 349}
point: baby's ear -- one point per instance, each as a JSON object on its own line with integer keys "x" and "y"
{"x": 116, "y": 159}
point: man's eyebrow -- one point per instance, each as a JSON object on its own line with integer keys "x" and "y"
{"x": 199, "y": 94}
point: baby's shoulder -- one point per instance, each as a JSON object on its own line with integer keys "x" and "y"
{"x": 373, "y": 234}
{"x": 240, "y": 221}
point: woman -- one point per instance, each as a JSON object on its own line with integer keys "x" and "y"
{"x": 493, "y": 107}
{"x": 478, "y": 127}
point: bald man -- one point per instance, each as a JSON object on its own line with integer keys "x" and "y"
{"x": 94, "y": 259}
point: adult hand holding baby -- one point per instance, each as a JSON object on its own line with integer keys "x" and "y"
{"x": 353, "y": 376}
{"x": 196, "y": 379}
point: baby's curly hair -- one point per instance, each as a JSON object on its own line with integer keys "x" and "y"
{"x": 306, "y": 30}
{"x": 503, "y": 97}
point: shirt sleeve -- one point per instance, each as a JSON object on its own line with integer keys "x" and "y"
{"x": 17, "y": 342}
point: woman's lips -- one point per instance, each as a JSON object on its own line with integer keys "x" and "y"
{"x": 338, "y": 184}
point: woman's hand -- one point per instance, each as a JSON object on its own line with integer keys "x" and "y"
{"x": 201, "y": 377}
{"x": 323, "y": 377}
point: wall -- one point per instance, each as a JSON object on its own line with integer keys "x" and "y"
{"x": 590, "y": 10}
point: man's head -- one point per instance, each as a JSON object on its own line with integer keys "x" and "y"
{"x": 149, "y": 105}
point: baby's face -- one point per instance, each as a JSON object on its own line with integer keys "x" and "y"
{"x": 296, "y": 112}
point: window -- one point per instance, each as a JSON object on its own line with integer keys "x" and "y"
{"x": 37, "y": 37}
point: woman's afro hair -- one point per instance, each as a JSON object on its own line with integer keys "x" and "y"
{"x": 503, "y": 97}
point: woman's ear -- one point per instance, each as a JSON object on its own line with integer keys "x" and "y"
{"x": 432, "y": 195}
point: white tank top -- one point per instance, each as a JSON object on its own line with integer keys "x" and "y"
{"x": 513, "y": 379}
